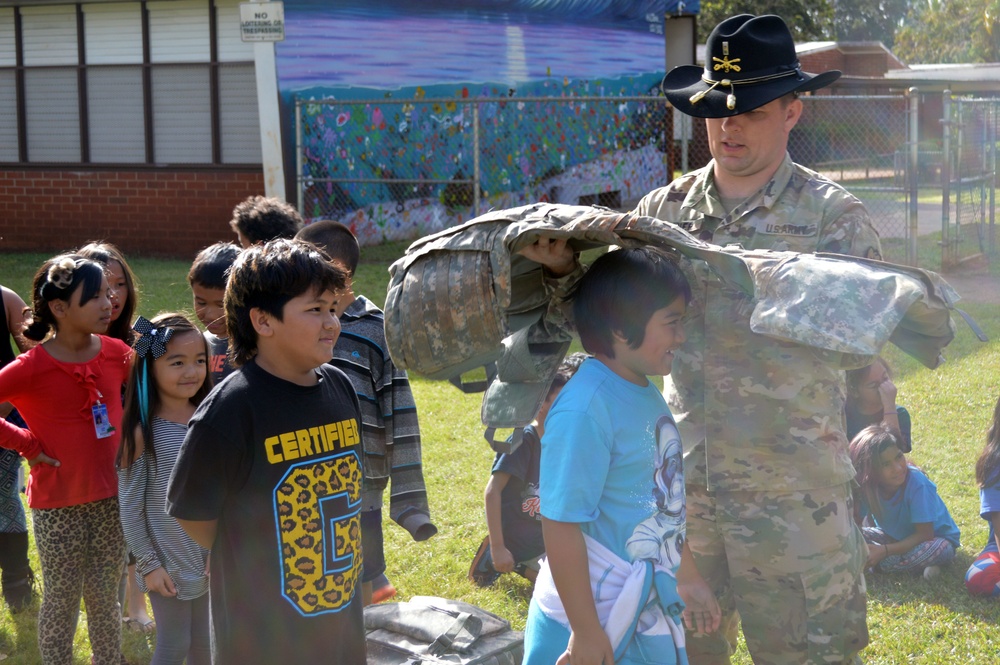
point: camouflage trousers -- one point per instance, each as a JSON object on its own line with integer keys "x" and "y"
{"x": 789, "y": 565}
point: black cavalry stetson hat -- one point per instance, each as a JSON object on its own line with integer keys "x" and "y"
{"x": 749, "y": 61}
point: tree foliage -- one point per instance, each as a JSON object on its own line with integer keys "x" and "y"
{"x": 808, "y": 20}
{"x": 869, "y": 20}
{"x": 951, "y": 31}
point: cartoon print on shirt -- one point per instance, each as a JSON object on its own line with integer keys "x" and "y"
{"x": 660, "y": 538}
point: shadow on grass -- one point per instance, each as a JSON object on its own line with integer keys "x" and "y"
{"x": 903, "y": 590}
{"x": 138, "y": 648}
{"x": 21, "y": 636}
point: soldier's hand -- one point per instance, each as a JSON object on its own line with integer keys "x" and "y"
{"x": 553, "y": 253}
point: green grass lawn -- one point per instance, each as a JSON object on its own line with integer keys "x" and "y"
{"x": 911, "y": 620}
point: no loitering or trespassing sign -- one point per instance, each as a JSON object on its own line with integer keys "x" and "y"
{"x": 262, "y": 21}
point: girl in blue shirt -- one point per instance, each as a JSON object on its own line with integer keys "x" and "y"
{"x": 905, "y": 522}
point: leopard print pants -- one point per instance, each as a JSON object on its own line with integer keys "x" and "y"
{"x": 81, "y": 549}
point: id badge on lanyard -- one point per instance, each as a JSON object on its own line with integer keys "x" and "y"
{"x": 102, "y": 424}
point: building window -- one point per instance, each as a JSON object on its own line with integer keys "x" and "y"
{"x": 155, "y": 82}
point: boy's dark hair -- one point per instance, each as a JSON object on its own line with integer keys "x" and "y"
{"x": 567, "y": 368}
{"x": 57, "y": 279}
{"x": 267, "y": 277}
{"x": 104, "y": 253}
{"x": 619, "y": 294}
{"x": 262, "y": 218}
{"x": 211, "y": 267}
{"x": 336, "y": 240}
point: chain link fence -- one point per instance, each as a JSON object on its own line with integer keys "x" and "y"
{"x": 400, "y": 169}
{"x": 968, "y": 208}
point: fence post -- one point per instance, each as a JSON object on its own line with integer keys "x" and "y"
{"x": 476, "y": 175}
{"x": 299, "y": 178}
{"x": 685, "y": 125}
{"x": 913, "y": 176}
{"x": 945, "y": 176}
{"x": 992, "y": 143}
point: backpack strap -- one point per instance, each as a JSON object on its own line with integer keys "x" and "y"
{"x": 449, "y": 640}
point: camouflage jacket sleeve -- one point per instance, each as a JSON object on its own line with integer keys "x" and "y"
{"x": 851, "y": 231}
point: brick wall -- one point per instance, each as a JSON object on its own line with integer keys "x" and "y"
{"x": 822, "y": 61}
{"x": 161, "y": 212}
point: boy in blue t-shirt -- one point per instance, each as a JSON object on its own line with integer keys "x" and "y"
{"x": 617, "y": 567}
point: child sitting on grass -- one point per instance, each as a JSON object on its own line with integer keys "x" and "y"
{"x": 871, "y": 399}
{"x": 983, "y": 576}
{"x": 905, "y": 522}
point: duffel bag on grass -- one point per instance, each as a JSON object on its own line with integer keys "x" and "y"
{"x": 427, "y": 629}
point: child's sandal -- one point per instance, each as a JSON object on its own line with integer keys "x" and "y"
{"x": 145, "y": 627}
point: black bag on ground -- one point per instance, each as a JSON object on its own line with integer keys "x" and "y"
{"x": 437, "y": 630}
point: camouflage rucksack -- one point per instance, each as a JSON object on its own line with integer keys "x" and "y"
{"x": 463, "y": 298}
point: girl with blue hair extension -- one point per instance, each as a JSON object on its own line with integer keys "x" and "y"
{"x": 169, "y": 379}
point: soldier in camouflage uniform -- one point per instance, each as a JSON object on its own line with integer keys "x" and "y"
{"x": 767, "y": 466}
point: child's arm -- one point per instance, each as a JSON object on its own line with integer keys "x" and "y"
{"x": 16, "y": 319}
{"x": 132, "y": 481}
{"x": 24, "y": 442}
{"x": 701, "y": 609}
{"x": 14, "y": 314}
{"x": 567, "y": 553}
{"x": 503, "y": 560}
{"x": 995, "y": 521}
{"x": 12, "y": 380}
{"x": 890, "y": 416}
{"x": 923, "y": 531}
{"x": 408, "y": 505}
{"x": 201, "y": 531}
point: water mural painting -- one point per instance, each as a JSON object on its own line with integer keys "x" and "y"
{"x": 395, "y": 96}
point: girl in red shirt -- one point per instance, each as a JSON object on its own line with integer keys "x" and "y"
{"x": 68, "y": 390}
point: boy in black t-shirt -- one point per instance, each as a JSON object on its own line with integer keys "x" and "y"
{"x": 269, "y": 476}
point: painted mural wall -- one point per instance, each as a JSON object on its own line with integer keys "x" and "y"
{"x": 403, "y": 96}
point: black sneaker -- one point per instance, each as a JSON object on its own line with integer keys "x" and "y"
{"x": 482, "y": 573}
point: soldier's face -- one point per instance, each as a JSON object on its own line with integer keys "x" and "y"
{"x": 753, "y": 143}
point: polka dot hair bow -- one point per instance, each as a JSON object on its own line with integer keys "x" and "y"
{"x": 151, "y": 339}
